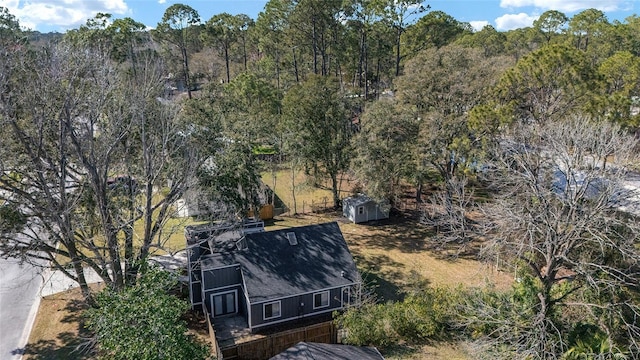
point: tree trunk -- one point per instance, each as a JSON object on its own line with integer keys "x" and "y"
{"x": 293, "y": 188}
{"x": 362, "y": 57}
{"x": 398, "y": 51}
{"x": 226, "y": 61}
{"x": 244, "y": 52}
{"x": 79, "y": 270}
{"x": 334, "y": 190}
{"x": 314, "y": 45}
{"x": 185, "y": 68}
{"x": 378, "y": 80}
{"x": 277, "y": 58}
{"x": 295, "y": 64}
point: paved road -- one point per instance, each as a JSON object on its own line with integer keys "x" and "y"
{"x": 19, "y": 301}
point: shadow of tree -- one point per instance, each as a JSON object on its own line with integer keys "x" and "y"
{"x": 404, "y": 232}
{"x": 75, "y": 309}
{"x": 400, "y": 351}
{"x": 68, "y": 345}
{"x": 400, "y": 232}
{"x": 383, "y": 275}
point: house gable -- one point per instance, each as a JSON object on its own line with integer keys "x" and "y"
{"x": 280, "y": 276}
{"x": 273, "y": 268}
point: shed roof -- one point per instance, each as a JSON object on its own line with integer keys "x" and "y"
{"x": 273, "y": 268}
{"x": 319, "y": 351}
{"x": 357, "y": 200}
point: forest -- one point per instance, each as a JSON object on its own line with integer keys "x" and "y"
{"x": 526, "y": 138}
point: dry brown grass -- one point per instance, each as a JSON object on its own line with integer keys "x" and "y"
{"x": 440, "y": 351}
{"x": 394, "y": 255}
{"x": 305, "y": 192}
{"x": 58, "y": 330}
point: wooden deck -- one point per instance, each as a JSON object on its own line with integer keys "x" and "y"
{"x": 232, "y": 339}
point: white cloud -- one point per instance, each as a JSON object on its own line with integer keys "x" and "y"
{"x": 162, "y": 1}
{"x": 63, "y": 14}
{"x": 569, "y": 6}
{"x": 478, "y": 25}
{"x": 514, "y": 21}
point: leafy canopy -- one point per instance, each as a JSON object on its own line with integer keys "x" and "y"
{"x": 143, "y": 322}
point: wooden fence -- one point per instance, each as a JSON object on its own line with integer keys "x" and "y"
{"x": 273, "y": 344}
{"x": 315, "y": 207}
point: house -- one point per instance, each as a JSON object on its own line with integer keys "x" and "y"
{"x": 269, "y": 278}
{"x": 318, "y": 351}
{"x": 361, "y": 208}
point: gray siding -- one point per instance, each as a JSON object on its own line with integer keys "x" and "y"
{"x": 222, "y": 280}
{"x": 291, "y": 308}
{"x": 372, "y": 211}
{"x": 219, "y": 278}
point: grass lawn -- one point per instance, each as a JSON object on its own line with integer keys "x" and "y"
{"x": 57, "y": 330}
{"x": 393, "y": 255}
{"x": 172, "y": 237}
{"x": 305, "y": 192}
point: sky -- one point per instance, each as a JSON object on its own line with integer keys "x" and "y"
{"x": 62, "y": 15}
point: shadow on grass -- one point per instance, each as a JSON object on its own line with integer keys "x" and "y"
{"x": 404, "y": 232}
{"x": 68, "y": 345}
{"x": 400, "y": 351}
{"x": 400, "y": 232}
{"x": 385, "y": 282}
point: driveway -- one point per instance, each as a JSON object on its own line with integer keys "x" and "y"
{"x": 19, "y": 301}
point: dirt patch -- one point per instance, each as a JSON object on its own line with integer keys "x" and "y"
{"x": 197, "y": 325}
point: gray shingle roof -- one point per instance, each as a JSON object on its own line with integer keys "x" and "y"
{"x": 357, "y": 200}
{"x": 318, "y": 351}
{"x": 272, "y": 268}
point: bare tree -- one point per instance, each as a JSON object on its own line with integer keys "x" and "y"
{"x": 88, "y": 151}
{"x": 450, "y": 213}
{"x": 559, "y": 212}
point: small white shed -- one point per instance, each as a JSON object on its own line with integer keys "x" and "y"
{"x": 361, "y": 208}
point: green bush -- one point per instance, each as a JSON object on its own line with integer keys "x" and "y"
{"x": 143, "y": 322}
{"x": 420, "y": 317}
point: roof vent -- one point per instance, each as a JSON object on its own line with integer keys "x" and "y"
{"x": 291, "y": 236}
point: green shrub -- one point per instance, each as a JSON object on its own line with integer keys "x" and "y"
{"x": 420, "y": 317}
{"x": 143, "y": 322}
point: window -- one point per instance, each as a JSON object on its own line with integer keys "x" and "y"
{"x": 271, "y": 310}
{"x": 346, "y": 296}
{"x": 360, "y": 210}
{"x": 224, "y": 303}
{"x": 321, "y": 300}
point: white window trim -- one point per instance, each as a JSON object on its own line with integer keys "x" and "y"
{"x": 345, "y": 290}
{"x": 360, "y": 210}
{"x": 264, "y": 308}
{"x": 235, "y": 298}
{"x": 328, "y": 299}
